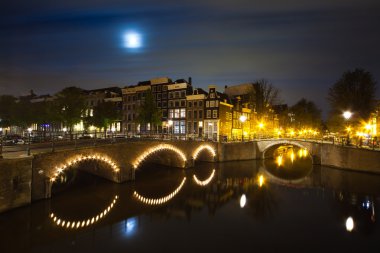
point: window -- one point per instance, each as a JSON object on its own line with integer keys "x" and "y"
{"x": 195, "y": 127}
{"x": 170, "y": 103}
{"x": 212, "y": 103}
{"x": 154, "y": 88}
{"x": 212, "y": 95}
{"x": 170, "y": 94}
{"x": 158, "y": 104}
{"x": 200, "y": 114}
{"x": 207, "y": 104}
{"x": 176, "y": 103}
{"x": 215, "y": 127}
{"x": 129, "y": 117}
{"x": 176, "y": 94}
{"x": 195, "y": 103}
{"x": 164, "y": 88}
{"x": 158, "y": 96}
{"x": 200, "y": 103}
{"x": 171, "y": 114}
{"x": 190, "y": 104}
{"x": 183, "y": 94}
{"x": 208, "y": 113}
{"x": 183, "y": 113}
{"x": 159, "y": 88}
{"x": 164, "y": 113}
{"x": 164, "y": 95}
{"x": 129, "y": 98}
{"x": 183, "y": 103}
{"x": 176, "y": 127}
{"x": 176, "y": 113}
{"x": 214, "y": 114}
{"x": 183, "y": 127}
{"x": 164, "y": 104}
{"x": 195, "y": 114}
{"x": 216, "y": 103}
{"x": 189, "y": 114}
{"x": 189, "y": 127}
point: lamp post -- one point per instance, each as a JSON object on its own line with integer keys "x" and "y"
{"x": 242, "y": 119}
{"x": 28, "y": 149}
{"x": 170, "y": 124}
{"x": 113, "y": 134}
{"x": 347, "y": 115}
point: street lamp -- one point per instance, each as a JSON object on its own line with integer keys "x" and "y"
{"x": 347, "y": 115}
{"x": 170, "y": 123}
{"x": 113, "y": 129}
{"x": 242, "y": 119}
{"x": 28, "y": 149}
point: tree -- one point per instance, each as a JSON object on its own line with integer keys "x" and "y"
{"x": 148, "y": 112}
{"x": 354, "y": 91}
{"x": 262, "y": 96}
{"x": 7, "y": 104}
{"x": 71, "y": 103}
{"x": 306, "y": 114}
{"x": 104, "y": 114}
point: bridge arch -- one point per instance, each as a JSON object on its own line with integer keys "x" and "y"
{"x": 136, "y": 163}
{"x": 202, "y": 147}
{"x": 81, "y": 158}
{"x": 269, "y": 145}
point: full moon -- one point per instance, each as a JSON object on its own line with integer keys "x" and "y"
{"x": 132, "y": 40}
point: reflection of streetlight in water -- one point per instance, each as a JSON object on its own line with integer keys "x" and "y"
{"x": 350, "y": 224}
{"x": 287, "y": 154}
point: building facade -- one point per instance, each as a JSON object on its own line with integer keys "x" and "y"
{"x": 195, "y": 113}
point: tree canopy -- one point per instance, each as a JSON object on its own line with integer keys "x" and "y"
{"x": 104, "y": 114}
{"x": 148, "y": 112}
{"x": 306, "y": 114}
{"x": 354, "y": 91}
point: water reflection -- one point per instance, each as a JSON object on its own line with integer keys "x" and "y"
{"x": 84, "y": 222}
{"x": 252, "y": 199}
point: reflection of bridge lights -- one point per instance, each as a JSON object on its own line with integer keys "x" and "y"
{"x": 204, "y": 182}
{"x": 156, "y": 149}
{"x": 83, "y": 223}
{"x": 279, "y": 160}
{"x": 159, "y": 201}
{"x": 243, "y": 200}
{"x": 292, "y": 156}
{"x": 81, "y": 158}
{"x": 202, "y": 147}
{"x": 261, "y": 180}
{"x": 350, "y": 224}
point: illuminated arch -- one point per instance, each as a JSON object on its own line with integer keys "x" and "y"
{"x": 206, "y": 181}
{"x": 69, "y": 224}
{"x": 159, "y": 201}
{"x": 202, "y": 147}
{"x": 303, "y": 147}
{"x": 157, "y": 148}
{"x": 80, "y": 158}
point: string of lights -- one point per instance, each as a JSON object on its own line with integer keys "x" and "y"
{"x": 202, "y": 147}
{"x": 83, "y": 223}
{"x": 159, "y": 201}
{"x": 204, "y": 182}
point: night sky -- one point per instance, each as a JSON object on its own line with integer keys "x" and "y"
{"x": 301, "y": 46}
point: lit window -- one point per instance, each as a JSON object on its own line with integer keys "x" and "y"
{"x": 176, "y": 113}
{"x": 183, "y": 113}
{"x": 212, "y": 103}
{"x": 207, "y": 104}
{"x": 214, "y": 114}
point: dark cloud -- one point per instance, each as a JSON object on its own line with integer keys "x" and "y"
{"x": 301, "y": 46}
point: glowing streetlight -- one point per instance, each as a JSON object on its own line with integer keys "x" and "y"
{"x": 242, "y": 119}
{"x": 29, "y": 132}
{"x": 170, "y": 123}
{"x": 347, "y": 115}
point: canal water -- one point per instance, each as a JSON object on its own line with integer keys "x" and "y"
{"x": 280, "y": 205}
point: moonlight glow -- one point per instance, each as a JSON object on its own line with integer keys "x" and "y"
{"x": 132, "y": 40}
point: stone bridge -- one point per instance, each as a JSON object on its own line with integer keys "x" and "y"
{"x": 116, "y": 162}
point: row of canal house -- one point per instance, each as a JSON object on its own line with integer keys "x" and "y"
{"x": 189, "y": 112}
